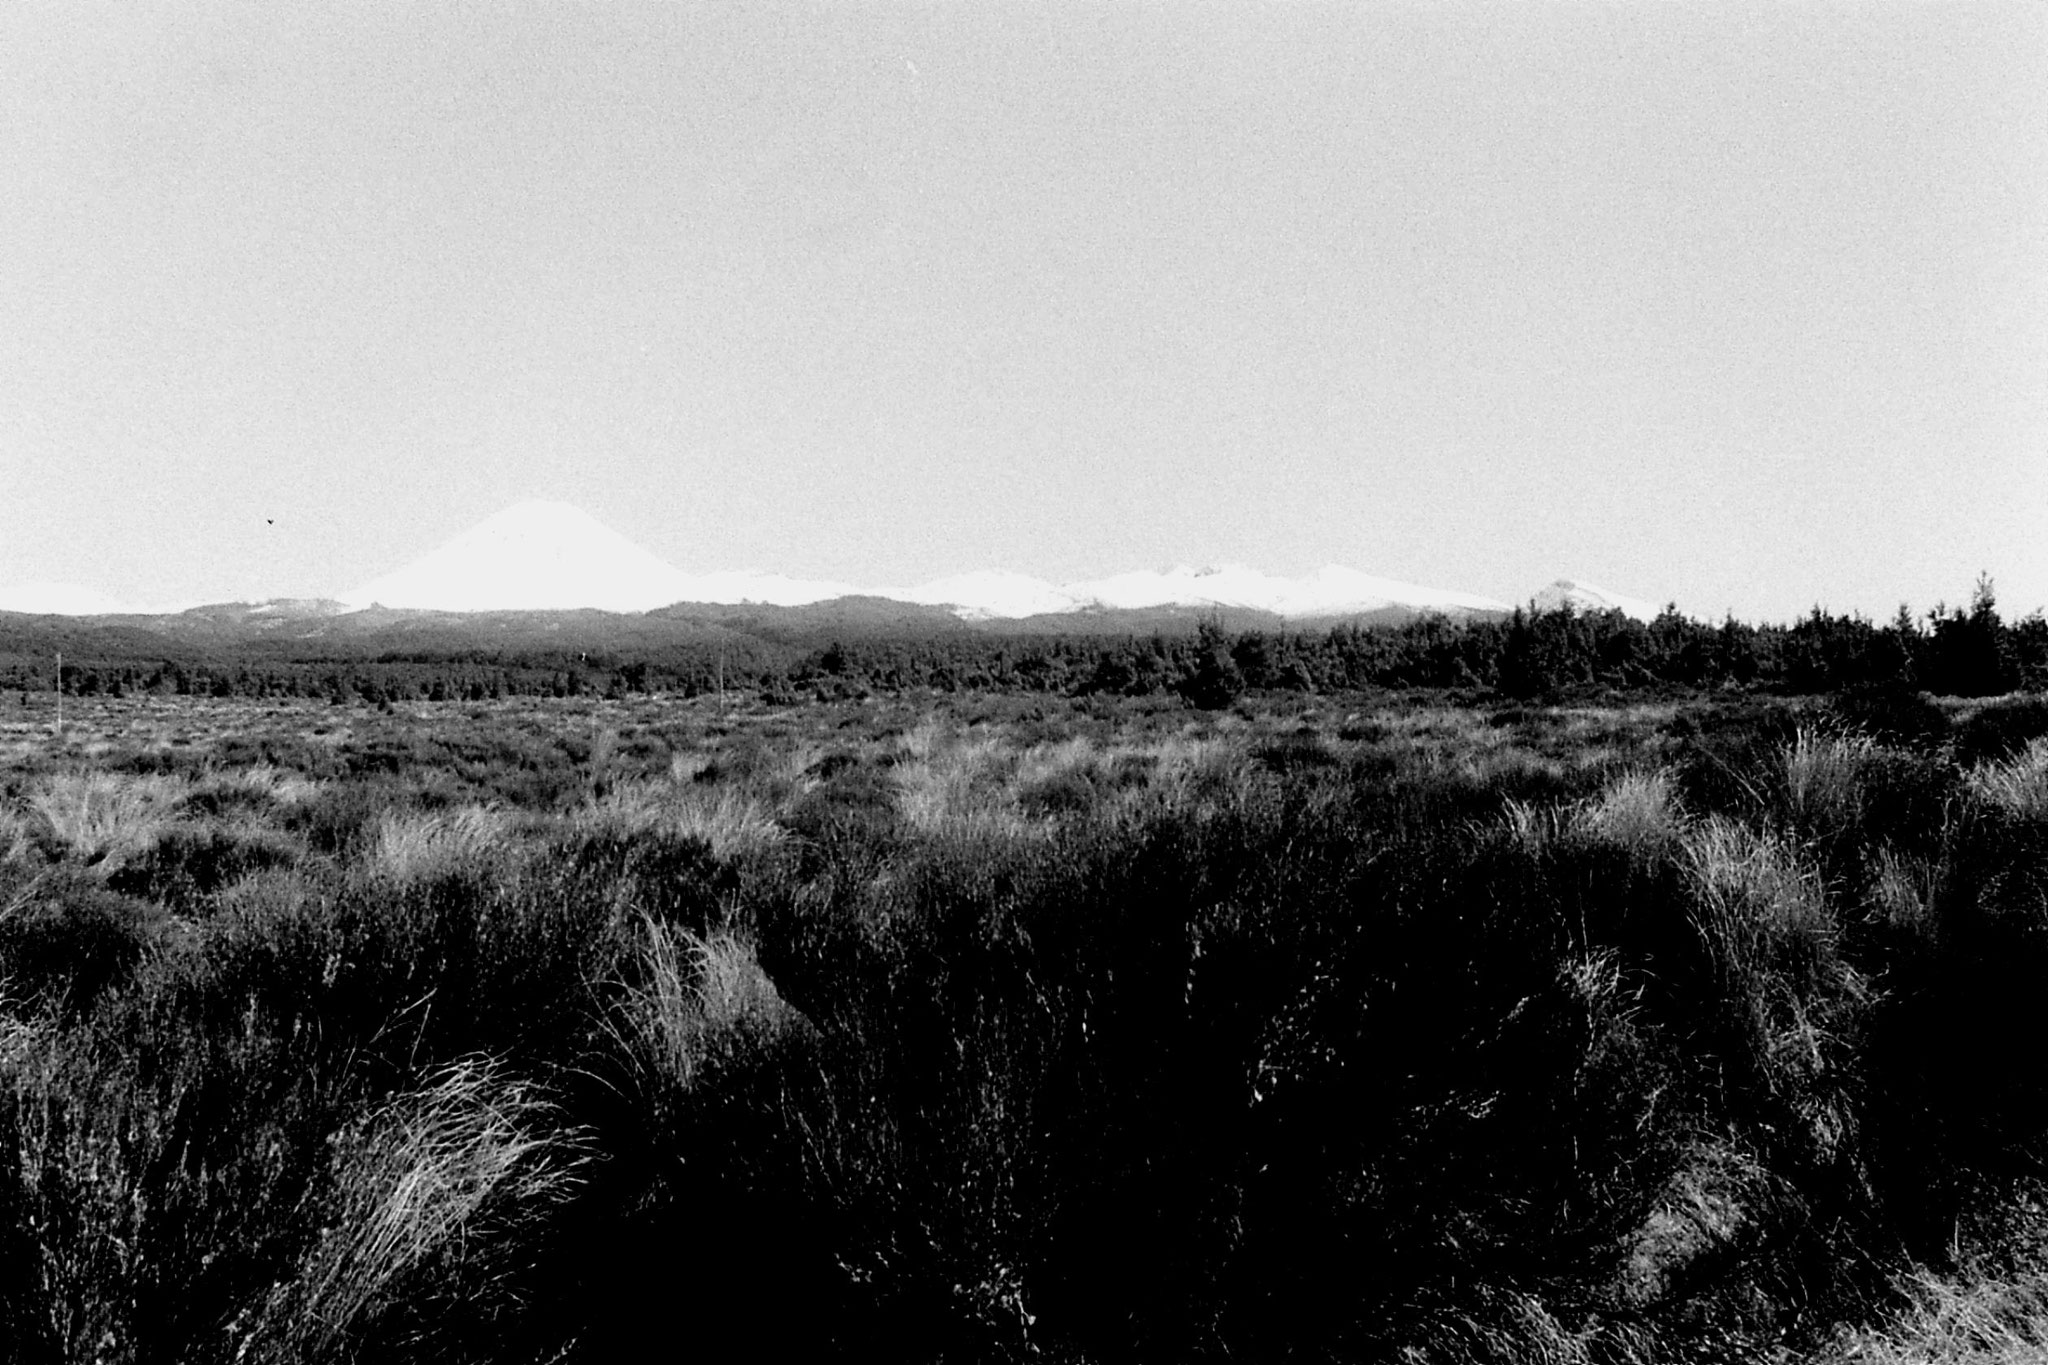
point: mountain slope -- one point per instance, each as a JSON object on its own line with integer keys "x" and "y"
{"x": 1330, "y": 593}
{"x": 550, "y": 556}
{"x": 1584, "y": 597}
{"x": 534, "y": 556}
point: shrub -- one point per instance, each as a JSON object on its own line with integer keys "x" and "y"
{"x": 190, "y": 862}
{"x": 1893, "y": 714}
{"x": 64, "y": 939}
{"x": 2002, "y": 730}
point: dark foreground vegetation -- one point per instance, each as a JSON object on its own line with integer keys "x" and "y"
{"x": 1007, "y": 1029}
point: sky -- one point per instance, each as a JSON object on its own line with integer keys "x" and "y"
{"x": 1739, "y": 306}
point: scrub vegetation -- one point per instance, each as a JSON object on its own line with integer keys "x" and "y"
{"x": 1020, "y": 1027}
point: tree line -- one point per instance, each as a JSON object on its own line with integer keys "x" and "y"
{"x": 1531, "y": 654}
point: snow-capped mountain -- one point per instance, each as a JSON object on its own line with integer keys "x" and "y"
{"x": 533, "y": 556}
{"x": 768, "y": 589}
{"x": 543, "y": 556}
{"x": 550, "y": 556}
{"x": 1329, "y": 592}
{"x": 1566, "y": 592}
{"x": 992, "y": 595}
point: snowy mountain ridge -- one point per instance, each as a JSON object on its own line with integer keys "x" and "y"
{"x": 551, "y": 556}
{"x": 1584, "y": 597}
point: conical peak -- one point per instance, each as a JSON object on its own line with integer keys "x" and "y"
{"x": 542, "y": 554}
{"x": 540, "y": 520}
{"x": 533, "y": 555}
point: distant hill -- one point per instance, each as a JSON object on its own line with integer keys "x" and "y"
{"x": 1566, "y": 592}
{"x": 551, "y": 556}
{"x": 545, "y": 576}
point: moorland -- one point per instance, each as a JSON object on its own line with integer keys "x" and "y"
{"x": 1285, "y": 1021}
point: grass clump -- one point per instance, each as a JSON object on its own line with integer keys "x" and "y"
{"x": 102, "y": 819}
{"x": 433, "y": 1203}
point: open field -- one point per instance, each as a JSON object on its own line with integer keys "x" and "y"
{"x": 1003, "y": 1028}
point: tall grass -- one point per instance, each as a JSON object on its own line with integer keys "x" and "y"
{"x": 699, "y": 998}
{"x": 435, "y": 1201}
{"x": 730, "y": 822}
{"x": 412, "y": 847}
{"x": 103, "y": 819}
{"x": 1790, "y": 1001}
{"x": 1405, "y": 1035}
{"x": 2017, "y": 787}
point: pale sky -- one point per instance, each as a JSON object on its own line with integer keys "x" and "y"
{"x": 1744, "y": 307}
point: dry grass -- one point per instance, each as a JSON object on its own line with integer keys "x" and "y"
{"x": 961, "y": 787}
{"x": 1771, "y": 933}
{"x": 15, "y": 842}
{"x": 411, "y": 847}
{"x": 702, "y": 998}
{"x": 262, "y": 786}
{"x": 1903, "y": 887}
{"x": 432, "y": 1195}
{"x": 1638, "y": 811}
{"x": 732, "y": 821}
{"x": 1705, "y": 1207}
{"x": 2018, "y": 786}
{"x": 917, "y": 892}
{"x": 1987, "y": 1312}
{"x": 103, "y": 819}
{"x": 1050, "y": 762}
{"x": 1533, "y": 825}
{"x": 1752, "y": 886}
{"x": 1823, "y": 781}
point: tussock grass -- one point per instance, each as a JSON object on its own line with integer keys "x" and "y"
{"x": 411, "y": 847}
{"x": 1823, "y": 776}
{"x": 2016, "y": 787}
{"x": 1792, "y": 1002}
{"x": 1982, "y": 1319}
{"x": 960, "y": 788}
{"x": 1905, "y": 889}
{"x": 262, "y": 789}
{"x": 702, "y": 998}
{"x": 103, "y": 819}
{"x": 1706, "y": 1208}
{"x": 731, "y": 822}
{"x": 15, "y": 840}
{"x": 1535, "y": 826}
{"x": 1637, "y": 811}
{"x": 1077, "y": 1033}
{"x": 436, "y": 1198}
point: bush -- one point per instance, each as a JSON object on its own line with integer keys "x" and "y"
{"x": 2001, "y": 730}
{"x": 1894, "y": 715}
{"x": 64, "y": 939}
